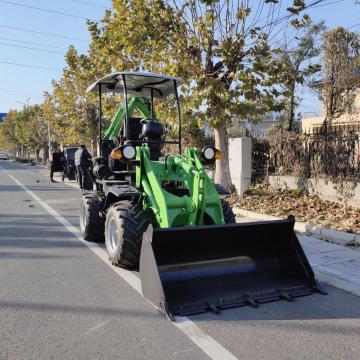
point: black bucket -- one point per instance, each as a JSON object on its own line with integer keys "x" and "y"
{"x": 192, "y": 270}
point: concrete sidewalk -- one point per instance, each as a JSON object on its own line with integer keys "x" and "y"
{"x": 334, "y": 264}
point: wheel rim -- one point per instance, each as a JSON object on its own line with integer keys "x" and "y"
{"x": 112, "y": 235}
{"x": 83, "y": 219}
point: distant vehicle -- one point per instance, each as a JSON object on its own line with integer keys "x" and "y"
{"x": 3, "y": 155}
{"x": 69, "y": 170}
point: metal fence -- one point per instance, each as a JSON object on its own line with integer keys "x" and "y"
{"x": 333, "y": 153}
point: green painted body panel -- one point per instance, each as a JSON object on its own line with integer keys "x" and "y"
{"x": 197, "y": 194}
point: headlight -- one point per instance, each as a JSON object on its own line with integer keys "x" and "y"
{"x": 124, "y": 153}
{"x": 128, "y": 152}
{"x": 208, "y": 153}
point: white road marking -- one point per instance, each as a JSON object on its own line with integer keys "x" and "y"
{"x": 204, "y": 341}
{"x": 98, "y": 326}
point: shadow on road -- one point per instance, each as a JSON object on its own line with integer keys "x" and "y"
{"x": 32, "y": 255}
{"x": 33, "y": 219}
{"x": 76, "y": 309}
{"x": 53, "y": 187}
{"x": 35, "y": 231}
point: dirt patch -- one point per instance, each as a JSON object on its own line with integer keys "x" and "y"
{"x": 309, "y": 209}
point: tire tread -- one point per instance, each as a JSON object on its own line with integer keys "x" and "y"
{"x": 134, "y": 223}
{"x": 94, "y": 231}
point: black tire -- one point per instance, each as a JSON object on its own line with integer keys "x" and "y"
{"x": 124, "y": 227}
{"x": 91, "y": 224}
{"x": 229, "y": 216}
{"x": 221, "y": 190}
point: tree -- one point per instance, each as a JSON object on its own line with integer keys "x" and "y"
{"x": 8, "y": 139}
{"x": 25, "y": 130}
{"x": 67, "y": 108}
{"x": 341, "y": 62}
{"x": 302, "y": 64}
{"x": 221, "y": 49}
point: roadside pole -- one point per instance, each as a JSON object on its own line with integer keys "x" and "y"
{"x": 49, "y": 141}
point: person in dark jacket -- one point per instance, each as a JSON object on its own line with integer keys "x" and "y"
{"x": 82, "y": 159}
{"x": 56, "y": 162}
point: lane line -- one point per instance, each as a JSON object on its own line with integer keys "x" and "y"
{"x": 205, "y": 342}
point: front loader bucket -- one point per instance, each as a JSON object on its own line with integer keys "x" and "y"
{"x": 192, "y": 270}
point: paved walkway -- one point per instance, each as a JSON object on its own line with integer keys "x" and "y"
{"x": 334, "y": 264}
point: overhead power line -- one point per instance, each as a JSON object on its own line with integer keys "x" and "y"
{"x": 330, "y": 3}
{"x": 44, "y": 10}
{"x": 42, "y": 33}
{"x": 32, "y": 43}
{"x": 31, "y": 48}
{"x": 89, "y": 3}
{"x": 352, "y": 26}
{"x": 30, "y": 66}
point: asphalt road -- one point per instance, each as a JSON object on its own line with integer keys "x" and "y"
{"x": 59, "y": 300}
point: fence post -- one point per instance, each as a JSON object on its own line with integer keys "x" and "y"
{"x": 240, "y": 163}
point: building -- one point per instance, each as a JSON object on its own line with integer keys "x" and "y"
{"x": 259, "y": 128}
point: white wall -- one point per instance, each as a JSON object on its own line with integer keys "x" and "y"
{"x": 240, "y": 163}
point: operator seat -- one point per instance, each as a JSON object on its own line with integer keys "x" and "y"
{"x": 153, "y": 132}
{"x": 135, "y": 128}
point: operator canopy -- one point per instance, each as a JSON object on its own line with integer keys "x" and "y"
{"x": 137, "y": 83}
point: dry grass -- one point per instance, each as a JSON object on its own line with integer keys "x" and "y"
{"x": 305, "y": 208}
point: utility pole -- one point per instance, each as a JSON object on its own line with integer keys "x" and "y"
{"x": 49, "y": 140}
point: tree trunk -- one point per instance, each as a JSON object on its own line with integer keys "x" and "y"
{"x": 291, "y": 109}
{"x": 222, "y": 173}
{"x": 46, "y": 153}
{"x": 37, "y": 155}
{"x": 95, "y": 148}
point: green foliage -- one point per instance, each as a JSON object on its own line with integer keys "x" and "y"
{"x": 301, "y": 68}
{"x": 26, "y": 128}
{"x": 225, "y": 57}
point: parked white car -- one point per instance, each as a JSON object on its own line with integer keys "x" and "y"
{"x": 3, "y": 155}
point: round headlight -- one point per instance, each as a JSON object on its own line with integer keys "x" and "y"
{"x": 129, "y": 152}
{"x": 209, "y": 153}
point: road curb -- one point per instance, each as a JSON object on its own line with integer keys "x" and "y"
{"x": 334, "y": 236}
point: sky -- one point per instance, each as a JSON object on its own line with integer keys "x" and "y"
{"x": 21, "y": 85}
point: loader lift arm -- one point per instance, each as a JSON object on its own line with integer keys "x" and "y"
{"x": 198, "y": 197}
{"x": 140, "y": 104}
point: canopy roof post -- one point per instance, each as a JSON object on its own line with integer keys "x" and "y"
{"x": 179, "y": 113}
{"x": 127, "y": 122}
{"x": 152, "y": 103}
{"x": 100, "y": 119}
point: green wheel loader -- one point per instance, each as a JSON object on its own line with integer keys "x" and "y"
{"x": 161, "y": 213}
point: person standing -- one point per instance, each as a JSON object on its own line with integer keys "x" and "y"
{"x": 82, "y": 158}
{"x": 56, "y": 162}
